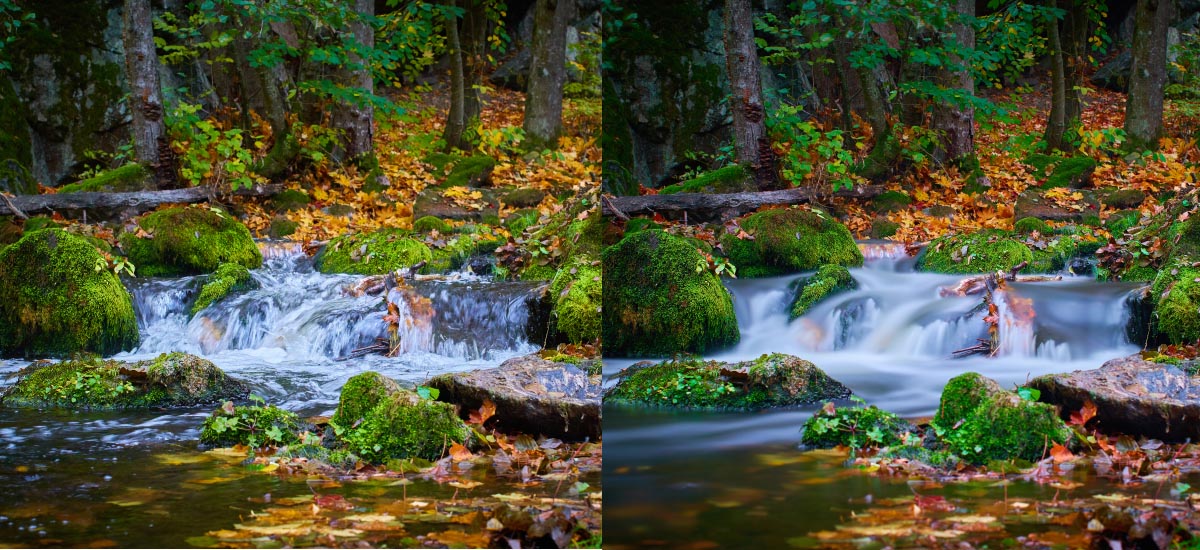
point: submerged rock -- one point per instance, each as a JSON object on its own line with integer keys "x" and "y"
{"x": 827, "y": 281}
{"x": 655, "y": 302}
{"x": 378, "y": 420}
{"x": 169, "y": 380}
{"x": 532, "y": 396}
{"x": 790, "y": 241}
{"x": 774, "y": 380}
{"x": 979, "y": 421}
{"x": 1132, "y": 396}
{"x": 189, "y": 240}
{"x": 54, "y": 302}
{"x": 228, "y": 278}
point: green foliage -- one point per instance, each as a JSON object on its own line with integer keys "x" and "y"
{"x": 827, "y": 281}
{"x": 814, "y": 156}
{"x": 1177, "y": 296}
{"x": 212, "y": 155}
{"x": 131, "y": 177}
{"x": 729, "y": 179}
{"x": 980, "y": 422}
{"x": 1029, "y": 225}
{"x": 378, "y": 420}
{"x": 255, "y": 426}
{"x": 858, "y": 428}
{"x": 889, "y": 201}
{"x": 1186, "y": 68}
{"x": 12, "y": 19}
{"x": 688, "y": 383}
{"x": 587, "y": 64}
{"x": 431, "y": 223}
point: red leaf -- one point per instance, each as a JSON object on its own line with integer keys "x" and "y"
{"x": 1061, "y": 454}
{"x": 1083, "y": 415}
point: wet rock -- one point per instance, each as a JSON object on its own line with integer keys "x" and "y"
{"x": 789, "y": 241}
{"x": 827, "y": 281}
{"x": 774, "y": 380}
{"x": 169, "y": 380}
{"x": 228, "y": 279}
{"x": 1033, "y": 203}
{"x": 1132, "y": 396}
{"x": 188, "y": 240}
{"x": 532, "y": 396}
{"x": 979, "y": 421}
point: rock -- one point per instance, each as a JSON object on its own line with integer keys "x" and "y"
{"x": 189, "y": 240}
{"x": 979, "y": 421}
{"x": 789, "y": 241}
{"x": 472, "y": 171}
{"x": 980, "y": 252}
{"x": 1176, "y": 295}
{"x": 379, "y": 420}
{"x": 890, "y": 201}
{"x": 281, "y": 227}
{"x": 532, "y": 396}
{"x": 1074, "y": 172}
{"x": 1033, "y": 203}
{"x": 170, "y": 380}
{"x": 576, "y": 291}
{"x": 523, "y": 198}
{"x": 1124, "y": 199}
{"x": 1026, "y": 226}
{"x": 375, "y": 253}
{"x": 774, "y": 380}
{"x": 432, "y": 201}
{"x": 855, "y": 427}
{"x": 289, "y": 200}
{"x": 514, "y": 73}
{"x": 655, "y": 302}
{"x": 54, "y": 303}
{"x": 827, "y": 281}
{"x": 16, "y": 179}
{"x": 227, "y": 279}
{"x": 883, "y": 228}
{"x": 1114, "y": 75}
{"x": 1132, "y": 396}
{"x": 131, "y": 177}
{"x": 431, "y": 223}
{"x": 339, "y": 210}
{"x": 940, "y": 211}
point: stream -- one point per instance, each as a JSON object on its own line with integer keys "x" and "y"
{"x": 135, "y": 478}
{"x": 708, "y": 479}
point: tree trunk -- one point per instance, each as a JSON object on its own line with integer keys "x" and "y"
{"x": 1147, "y": 75}
{"x": 357, "y": 119}
{"x": 146, "y": 105}
{"x": 751, "y": 145}
{"x": 1074, "y": 40}
{"x": 1056, "y": 125}
{"x": 474, "y": 47}
{"x": 456, "y": 118}
{"x": 547, "y": 73}
{"x": 958, "y": 121}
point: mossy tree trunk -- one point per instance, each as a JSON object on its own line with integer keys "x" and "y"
{"x": 146, "y": 104}
{"x": 958, "y": 121}
{"x": 1148, "y": 74}
{"x": 751, "y": 145}
{"x": 547, "y": 72}
{"x": 456, "y": 117}
{"x": 1056, "y": 125}
{"x": 356, "y": 119}
{"x": 474, "y": 48}
{"x": 1074, "y": 37}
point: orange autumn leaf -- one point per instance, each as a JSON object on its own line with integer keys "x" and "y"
{"x": 1083, "y": 415}
{"x": 459, "y": 453}
{"x": 486, "y": 411}
{"x": 1061, "y": 454}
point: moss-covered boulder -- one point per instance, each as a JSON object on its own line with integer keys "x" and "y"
{"x": 1177, "y": 303}
{"x": 827, "y": 281}
{"x": 525, "y": 197}
{"x": 1038, "y": 203}
{"x": 189, "y": 240}
{"x": 774, "y": 380}
{"x": 980, "y": 422}
{"x": 253, "y": 426}
{"x": 373, "y": 253}
{"x": 54, "y": 302}
{"x": 856, "y": 428}
{"x": 730, "y": 179}
{"x": 979, "y": 252}
{"x": 281, "y": 227}
{"x": 1026, "y": 226}
{"x": 577, "y": 293}
{"x": 379, "y": 420}
{"x": 789, "y": 241}
{"x": 131, "y": 177}
{"x": 289, "y": 200}
{"x": 890, "y": 201}
{"x": 1125, "y": 198}
{"x": 656, "y": 301}
{"x": 169, "y": 380}
{"x": 883, "y": 228}
{"x": 227, "y": 279}
{"x": 532, "y": 395}
{"x": 431, "y": 223}
{"x": 1074, "y": 172}
{"x": 472, "y": 171}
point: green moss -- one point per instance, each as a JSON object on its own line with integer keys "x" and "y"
{"x": 15, "y": 143}
{"x": 979, "y": 252}
{"x": 40, "y": 222}
{"x": 360, "y": 394}
{"x": 889, "y": 201}
{"x": 523, "y": 198}
{"x": 289, "y": 200}
{"x": 1028, "y": 225}
{"x": 535, "y": 272}
{"x": 856, "y": 428}
{"x": 53, "y": 302}
{"x": 518, "y": 221}
{"x": 1177, "y": 303}
{"x": 1053, "y": 255}
{"x": 131, "y": 177}
{"x": 1118, "y": 223}
{"x": 576, "y": 291}
{"x": 789, "y": 241}
{"x": 1072, "y": 172}
{"x": 828, "y": 280}
{"x": 640, "y": 224}
{"x": 466, "y": 171}
{"x": 730, "y": 179}
{"x": 253, "y": 426}
{"x": 395, "y": 423}
{"x": 226, "y": 279}
{"x": 189, "y": 240}
{"x": 1042, "y": 163}
{"x": 883, "y": 228}
{"x": 655, "y": 302}
{"x": 769, "y": 381}
{"x": 441, "y": 161}
{"x": 431, "y": 223}
{"x": 281, "y": 227}
{"x": 981, "y": 423}
{"x": 451, "y": 256}
{"x": 374, "y": 253}
{"x": 1140, "y": 274}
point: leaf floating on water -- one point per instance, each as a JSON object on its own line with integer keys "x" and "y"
{"x": 126, "y": 503}
{"x": 459, "y": 453}
{"x": 179, "y": 459}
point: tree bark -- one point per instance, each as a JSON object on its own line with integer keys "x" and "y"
{"x": 705, "y": 207}
{"x": 101, "y": 205}
{"x": 146, "y": 104}
{"x": 1074, "y": 39}
{"x": 1148, "y": 74}
{"x": 474, "y": 47}
{"x": 958, "y": 121}
{"x": 751, "y": 145}
{"x": 456, "y": 117}
{"x": 547, "y": 72}
{"x": 1056, "y": 125}
{"x": 357, "y": 119}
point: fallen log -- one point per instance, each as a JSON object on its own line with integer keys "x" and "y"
{"x": 706, "y": 207}
{"x": 105, "y": 205}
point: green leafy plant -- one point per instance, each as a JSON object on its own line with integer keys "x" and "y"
{"x": 814, "y": 156}
{"x": 209, "y": 153}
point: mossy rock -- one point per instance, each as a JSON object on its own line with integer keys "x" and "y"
{"x": 452, "y": 255}
{"x": 789, "y": 241}
{"x": 856, "y": 428}
{"x": 1042, "y": 163}
{"x": 980, "y": 252}
{"x": 131, "y": 177}
{"x": 655, "y": 302}
{"x": 281, "y": 227}
{"x": 53, "y": 302}
{"x": 253, "y": 426}
{"x": 169, "y": 380}
{"x": 774, "y": 380}
{"x": 1177, "y": 303}
{"x": 518, "y": 221}
{"x": 16, "y": 179}
{"x": 1052, "y": 253}
{"x": 730, "y": 179}
{"x": 883, "y": 228}
{"x": 431, "y": 223}
{"x": 472, "y": 171}
{"x": 189, "y": 240}
{"x": 1074, "y": 172}
{"x": 640, "y": 224}
{"x": 827, "y": 281}
{"x": 395, "y": 423}
{"x": 1119, "y": 222}
{"x": 289, "y": 200}
{"x": 1026, "y": 226}
{"x": 375, "y": 253}
{"x": 577, "y": 293}
{"x": 1125, "y": 198}
{"x": 523, "y": 198}
{"x": 980, "y": 422}
{"x": 890, "y": 201}
{"x": 36, "y": 223}
{"x": 227, "y": 279}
